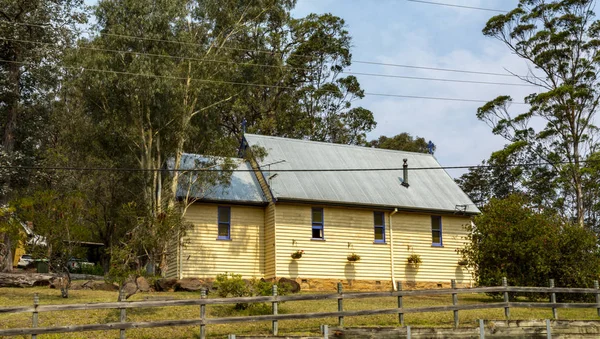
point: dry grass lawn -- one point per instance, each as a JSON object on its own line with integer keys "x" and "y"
{"x": 20, "y": 296}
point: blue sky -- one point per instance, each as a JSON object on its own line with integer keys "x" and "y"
{"x": 404, "y": 32}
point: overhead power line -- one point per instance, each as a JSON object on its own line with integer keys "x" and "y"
{"x": 458, "y": 6}
{"x": 212, "y": 169}
{"x": 279, "y": 66}
{"x": 367, "y": 62}
{"x": 83, "y": 69}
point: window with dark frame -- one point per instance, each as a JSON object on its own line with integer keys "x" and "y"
{"x": 436, "y": 230}
{"x": 224, "y": 222}
{"x": 317, "y": 223}
{"x": 379, "y": 224}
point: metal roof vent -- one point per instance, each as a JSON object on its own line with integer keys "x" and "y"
{"x": 405, "y": 173}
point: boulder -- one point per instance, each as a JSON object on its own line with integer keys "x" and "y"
{"x": 142, "y": 284}
{"x": 292, "y": 285}
{"x": 25, "y": 279}
{"x": 164, "y": 285}
{"x": 103, "y": 286}
{"x": 189, "y": 285}
{"x": 129, "y": 289}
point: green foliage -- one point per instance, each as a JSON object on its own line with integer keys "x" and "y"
{"x": 232, "y": 285}
{"x": 529, "y": 246}
{"x": 401, "y": 142}
{"x": 561, "y": 40}
{"x": 414, "y": 259}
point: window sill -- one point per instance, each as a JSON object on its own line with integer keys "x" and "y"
{"x": 317, "y": 239}
{"x": 380, "y": 242}
{"x": 437, "y": 245}
{"x": 224, "y": 239}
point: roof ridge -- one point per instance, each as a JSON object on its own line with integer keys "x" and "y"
{"x": 342, "y": 145}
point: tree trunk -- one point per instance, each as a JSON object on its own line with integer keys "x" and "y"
{"x": 8, "y": 143}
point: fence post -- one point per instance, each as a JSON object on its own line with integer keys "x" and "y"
{"x": 408, "y": 334}
{"x": 275, "y": 325}
{"x": 340, "y": 304}
{"x": 202, "y": 314}
{"x": 553, "y": 300}
{"x": 123, "y": 317}
{"x": 481, "y": 329}
{"x": 400, "y": 314}
{"x": 454, "y": 302}
{"x": 506, "y": 309}
{"x": 325, "y": 331}
{"x": 548, "y": 329}
{"x": 597, "y": 296}
{"x": 34, "y": 317}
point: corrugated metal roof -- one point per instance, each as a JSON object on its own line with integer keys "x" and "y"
{"x": 243, "y": 187}
{"x": 429, "y": 189}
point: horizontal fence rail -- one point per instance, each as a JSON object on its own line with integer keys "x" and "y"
{"x": 275, "y": 299}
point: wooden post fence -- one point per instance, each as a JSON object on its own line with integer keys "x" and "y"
{"x": 507, "y": 308}
{"x": 596, "y": 287}
{"x": 400, "y": 314}
{"x": 553, "y": 300}
{"x": 123, "y": 317}
{"x": 122, "y": 324}
{"x": 34, "y": 316}
{"x": 454, "y": 302}
{"x": 202, "y": 314}
{"x": 340, "y": 304}
{"x": 275, "y": 324}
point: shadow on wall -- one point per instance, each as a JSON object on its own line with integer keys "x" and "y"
{"x": 410, "y": 272}
{"x": 459, "y": 275}
{"x": 293, "y": 269}
{"x": 350, "y": 273}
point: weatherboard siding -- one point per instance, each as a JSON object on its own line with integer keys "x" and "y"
{"x": 346, "y": 231}
{"x": 350, "y": 230}
{"x": 412, "y": 234}
{"x": 204, "y": 256}
{"x": 270, "y": 241}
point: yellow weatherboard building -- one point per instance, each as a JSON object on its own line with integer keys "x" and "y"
{"x": 300, "y": 214}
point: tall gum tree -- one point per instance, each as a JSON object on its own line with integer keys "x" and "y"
{"x": 560, "y": 39}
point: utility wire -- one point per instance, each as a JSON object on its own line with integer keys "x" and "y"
{"x": 212, "y": 169}
{"x": 83, "y": 69}
{"x": 272, "y": 52}
{"x": 458, "y": 6}
{"x": 279, "y": 66}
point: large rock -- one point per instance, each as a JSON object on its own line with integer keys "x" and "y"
{"x": 189, "y": 285}
{"x": 292, "y": 285}
{"x": 102, "y": 286}
{"x": 165, "y": 285}
{"x": 129, "y": 289}
{"x": 142, "y": 284}
{"x": 25, "y": 279}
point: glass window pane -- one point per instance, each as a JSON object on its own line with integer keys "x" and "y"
{"x": 379, "y": 219}
{"x": 317, "y": 215}
{"x": 436, "y": 237}
{"x": 436, "y": 223}
{"x": 317, "y": 233}
{"x": 224, "y": 214}
{"x": 223, "y": 230}
{"x": 379, "y": 234}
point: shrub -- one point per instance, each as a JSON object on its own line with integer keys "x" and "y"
{"x": 529, "y": 246}
{"x": 232, "y": 285}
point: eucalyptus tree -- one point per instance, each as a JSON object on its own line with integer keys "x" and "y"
{"x": 560, "y": 40}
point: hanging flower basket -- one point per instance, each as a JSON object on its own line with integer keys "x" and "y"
{"x": 353, "y": 257}
{"x": 463, "y": 262}
{"x": 298, "y": 254}
{"x": 414, "y": 260}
